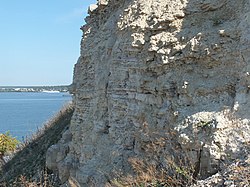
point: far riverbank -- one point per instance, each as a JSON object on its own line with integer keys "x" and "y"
{"x": 63, "y": 88}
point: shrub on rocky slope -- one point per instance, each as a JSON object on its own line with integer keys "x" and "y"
{"x": 27, "y": 167}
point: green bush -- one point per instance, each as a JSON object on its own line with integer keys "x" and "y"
{"x": 7, "y": 144}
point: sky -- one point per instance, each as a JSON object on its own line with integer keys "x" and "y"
{"x": 40, "y": 41}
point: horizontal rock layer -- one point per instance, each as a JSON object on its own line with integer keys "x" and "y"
{"x": 171, "y": 69}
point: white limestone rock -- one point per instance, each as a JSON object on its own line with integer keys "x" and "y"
{"x": 92, "y": 8}
{"x": 159, "y": 69}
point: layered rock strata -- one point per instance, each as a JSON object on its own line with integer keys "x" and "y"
{"x": 172, "y": 69}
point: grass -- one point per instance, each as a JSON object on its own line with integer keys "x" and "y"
{"x": 148, "y": 174}
{"x": 153, "y": 168}
{"x": 27, "y": 167}
{"x": 158, "y": 168}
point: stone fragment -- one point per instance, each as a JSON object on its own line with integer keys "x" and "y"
{"x": 92, "y": 8}
{"x": 102, "y": 2}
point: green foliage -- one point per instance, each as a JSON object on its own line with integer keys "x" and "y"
{"x": 205, "y": 123}
{"x": 7, "y": 143}
{"x": 185, "y": 172}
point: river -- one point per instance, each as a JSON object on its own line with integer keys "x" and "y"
{"x": 22, "y": 113}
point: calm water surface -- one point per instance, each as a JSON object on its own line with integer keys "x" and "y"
{"x": 22, "y": 113}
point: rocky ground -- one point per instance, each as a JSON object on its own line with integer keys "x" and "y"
{"x": 27, "y": 167}
{"x": 157, "y": 79}
{"x": 161, "y": 97}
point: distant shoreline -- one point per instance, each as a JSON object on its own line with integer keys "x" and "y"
{"x": 45, "y": 89}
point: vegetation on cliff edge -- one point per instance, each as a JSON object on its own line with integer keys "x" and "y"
{"x": 27, "y": 167}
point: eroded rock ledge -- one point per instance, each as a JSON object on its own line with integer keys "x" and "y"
{"x": 175, "y": 70}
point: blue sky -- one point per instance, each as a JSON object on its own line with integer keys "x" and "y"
{"x": 40, "y": 40}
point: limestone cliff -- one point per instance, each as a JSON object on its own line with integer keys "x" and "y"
{"x": 175, "y": 70}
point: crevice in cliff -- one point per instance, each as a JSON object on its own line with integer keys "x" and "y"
{"x": 197, "y": 166}
{"x": 149, "y": 67}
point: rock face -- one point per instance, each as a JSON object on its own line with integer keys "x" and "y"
{"x": 172, "y": 69}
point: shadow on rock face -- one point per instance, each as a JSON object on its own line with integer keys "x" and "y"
{"x": 151, "y": 70}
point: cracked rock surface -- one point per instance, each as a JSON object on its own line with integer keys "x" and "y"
{"x": 158, "y": 67}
